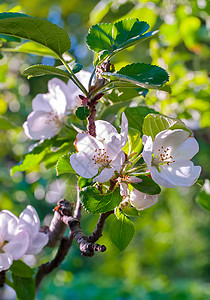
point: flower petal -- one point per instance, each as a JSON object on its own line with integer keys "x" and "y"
{"x": 59, "y": 93}
{"x": 87, "y": 144}
{"x": 30, "y": 219}
{"x": 187, "y": 149}
{"x": 30, "y": 260}
{"x": 147, "y": 151}
{"x": 41, "y": 103}
{"x": 8, "y": 225}
{"x": 104, "y": 176}
{"x": 142, "y": 201}
{"x": 53, "y": 101}
{"x": 117, "y": 162}
{"x": 114, "y": 146}
{"x": 104, "y": 130}
{"x": 5, "y": 261}
{"x": 169, "y": 139}
{"x": 135, "y": 179}
{"x": 124, "y": 130}
{"x": 18, "y": 245}
{"x": 73, "y": 100}
{"x": 181, "y": 173}
{"x": 36, "y": 245}
{"x": 40, "y": 125}
{"x": 124, "y": 191}
{"x": 84, "y": 77}
{"x": 160, "y": 179}
{"x": 83, "y": 164}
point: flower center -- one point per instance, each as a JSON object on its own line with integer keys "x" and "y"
{"x": 101, "y": 157}
{"x": 2, "y": 243}
{"x": 125, "y": 178}
{"x": 163, "y": 157}
{"x": 53, "y": 118}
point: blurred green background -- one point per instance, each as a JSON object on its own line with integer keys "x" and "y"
{"x": 169, "y": 257}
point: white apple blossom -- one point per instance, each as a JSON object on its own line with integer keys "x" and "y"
{"x": 20, "y": 236}
{"x": 29, "y": 220}
{"x": 14, "y": 241}
{"x": 168, "y": 158}
{"x": 106, "y": 132}
{"x": 141, "y": 200}
{"x": 138, "y": 199}
{"x": 102, "y": 154}
{"x": 50, "y": 110}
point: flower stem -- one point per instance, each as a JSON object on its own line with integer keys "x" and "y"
{"x": 101, "y": 88}
{"x": 74, "y": 79}
{"x": 141, "y": 167}
{"x": 91, "y": 77}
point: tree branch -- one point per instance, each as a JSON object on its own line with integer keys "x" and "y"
{"x": 63, "y": 207}
{"x": 86, "y": 246}
{"x": 57, "y": 228}
{"x": 2, "y": 278}
{"x": 56, "y": 262}
{"x": 97, "y": 233}
{"x": 91, "y": 127}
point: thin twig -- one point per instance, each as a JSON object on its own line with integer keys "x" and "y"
{"x": 87, "y": 247}
{"x": 97, "y": 233}
{"x": 91, "y": 127}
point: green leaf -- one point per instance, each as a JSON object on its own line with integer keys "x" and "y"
{"x": 19, "y": 268}
{"x": 136, "y": 115}
{"x": 51, "y": 157}
{"x": 73, "y": 65}
{"x": 9, "y": 38}
{"x": 101, "y": 57}
{"x": 63, "y": 165}
{"x": 130, "y": 211}
{"x": 124, "y": 92}
{"x": 134, "y": 143}
{"x": 82, "y": 112}
{"x": 30, "y": 162}
{"x": 114, "y": 37}
{"x": 32, "y": 48}
{"x": 35, "y": 29}
{"x": 147, "y": 186}
{"x": 24, "y": 287}
{"x": 144, "y": 75}
{"x": 83, "y": 182}
{"x": 112, "y": 110}
{"x": 95, "y": 202}
{"x": 203, "y": 198}
{"x": 121, "y": 231}
{"x": 35, "y": 157}
{"x": 5, "y": 124}
{"x": 40, "y": 70}
{"x": 154, "y": 123}
{"x": 48, "y": 151}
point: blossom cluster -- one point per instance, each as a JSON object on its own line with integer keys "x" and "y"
{"x": 50, "y": 110}
{"x": 168, "y": 159}
{"x": 168, "y": 156}
{"x": 19, "y": 236}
